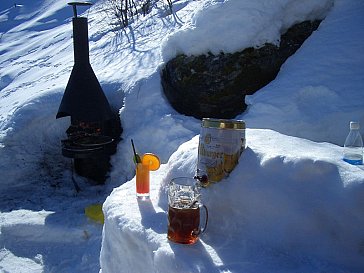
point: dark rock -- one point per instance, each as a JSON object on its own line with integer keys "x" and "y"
{"x": 215, "y": 85}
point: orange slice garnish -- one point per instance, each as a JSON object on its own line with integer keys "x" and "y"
{"x": 152, "y": 161}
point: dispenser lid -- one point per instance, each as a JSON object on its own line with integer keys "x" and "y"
{"x": 223, "y": 123}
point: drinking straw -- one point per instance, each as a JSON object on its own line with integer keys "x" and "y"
{"x": 136, "y": 156}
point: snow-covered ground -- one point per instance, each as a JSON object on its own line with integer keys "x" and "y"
{"x": 300, "y": 207}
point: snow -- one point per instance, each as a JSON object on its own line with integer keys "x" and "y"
{"x": 285, "y": 208}
{"x": 291, "y": 205}
{"x": 259, "y": 22}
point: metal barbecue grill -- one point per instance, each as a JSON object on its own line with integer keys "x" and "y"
{"x": 95, "y": 128}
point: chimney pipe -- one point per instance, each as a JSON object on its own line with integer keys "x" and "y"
{"x": 83, "y": 98}
{"x": 80, "y": 40}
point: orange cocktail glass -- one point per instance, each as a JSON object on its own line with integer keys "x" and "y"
{"x": 142, "y": 180}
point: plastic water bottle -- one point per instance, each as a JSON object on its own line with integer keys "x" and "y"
{"x": 353, "y": 147}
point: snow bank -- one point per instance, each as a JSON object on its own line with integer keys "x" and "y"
{"x": 315, "y": 94}
{"x": 255, "y": 23}
{"x": 285, "y": 208}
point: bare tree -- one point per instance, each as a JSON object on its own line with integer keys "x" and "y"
{"x": 123, "y": 11}
{"x": 169, "y": 2}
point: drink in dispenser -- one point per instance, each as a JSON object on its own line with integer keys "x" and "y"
{"x": 220, "y": 145}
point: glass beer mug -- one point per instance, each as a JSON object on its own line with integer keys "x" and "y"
{"x": 184, "y": 208}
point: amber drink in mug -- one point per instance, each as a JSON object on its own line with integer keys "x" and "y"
{"x": 184, "y": 211}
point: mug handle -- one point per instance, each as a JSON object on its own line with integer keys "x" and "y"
{"x": 200, "y": 231}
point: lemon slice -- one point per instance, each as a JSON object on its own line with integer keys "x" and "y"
{"x": 95, "y": 213}
{"x": 152, "y": 161}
